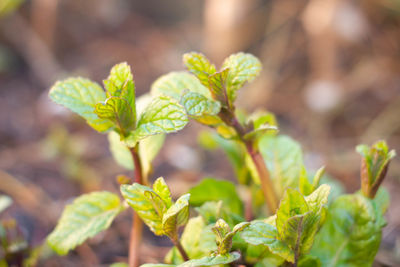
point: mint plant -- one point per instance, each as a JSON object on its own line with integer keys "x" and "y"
{"x": 293, "y": 218}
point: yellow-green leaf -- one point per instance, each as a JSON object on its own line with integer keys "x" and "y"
{"x": 199, "y": 65}
{"x": 176, "y": 216}
{"x": 87, "y": 216}
{"x": 80, "y": 95}
{"x": 201, "y": 108}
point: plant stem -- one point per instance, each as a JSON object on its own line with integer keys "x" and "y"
{"x": 266, "y": 184}
{"x": 137, "y": 224}
{"x": 182, "y": 251}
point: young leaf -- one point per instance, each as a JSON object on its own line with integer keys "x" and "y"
{"x": 119, "y": 112}
{"x": 284, "y": 159}
{"x": 242, "y": 68}
{"x": 163, "y": 115}
{"x": 225, "y": 236}
{"x": 201, "y": 108}
{"x": 80, "y": 95}
{"x": 87, "y": 216}
{"x": 210, "y": 189}
{"x": 199, "y": 65}
{"x": 177, "y": 215}
{"x": 120, "y": 84}
{"x": 175, "y": 83}
{"x": 351, "y": 234}
{"x": 5, "y": 202}
{"x": 148, "y": 205}
{"x": 217, "y": 86}
{"x": 260, "y": 233}
{"x": 212, "y": 260}
{"x": 161, "y": 188}
{"x": 374, "y": 166}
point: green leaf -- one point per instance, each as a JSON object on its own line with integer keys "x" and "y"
{"x": 352, "y": 233}
{"x": 148, "y": 205}
{"x": 212, "y": 260}
{"x": 148, "y": 150}
{"x": 174, "y": 84}
{"x": 87, "y": 216}
{"x": 284, "y": 159}
{"x": 161, "y": 188}
{"x": 374, "y": 166}
{"x": 309, "y": 261}
{"x": 319, "y": 197}
{"x": 210, "y": 189}
{"x": 5, "y": 202}
{"x": 80, "y": 95}
{"x": 120, "y": 84}
{"x": 242, "y": 68}
{"x": 176, "y": 216}
{"x": 292, "y": 204}
{"x": 163, "y": 115}
{"x": 217, "y": 87}
{"x": 199, "y": 65}
{"x": 260, "y": 233}
{"x": 201, "y": 108}
{"x": 119, "y": 112}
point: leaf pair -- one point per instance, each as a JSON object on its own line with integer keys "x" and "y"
{"x": 374, "y": 166}
{"x": 116, "y": 108}
{"x": 156, "y": 208}
{"x": 224, "y": 235}
{"x": 204, "y": 94}
{"x": 290, "y": 234}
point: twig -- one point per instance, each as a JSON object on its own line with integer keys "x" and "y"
{"x": 178, "y": 245}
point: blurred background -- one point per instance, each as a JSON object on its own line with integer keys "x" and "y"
{"x": 331, "y": 75}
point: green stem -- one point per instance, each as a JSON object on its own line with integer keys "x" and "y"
{"x": 137, "y": 224}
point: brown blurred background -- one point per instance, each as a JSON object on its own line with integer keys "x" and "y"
{"x": 331, "y": 75}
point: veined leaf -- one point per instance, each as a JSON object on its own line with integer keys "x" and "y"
{"x": 163, "y": 115}
{"x": 260, "y": 233}
{"x": 162, "y": 189}
{"x": 80, "y": 95}
{"x": 210, "y": 189}
{"x": 319, "y": 197}
{"x": 118, "y": 111}
{"x": 242, "y": 68}
{"x": 177, "y": 215}
{"x": 284, "y": 159}
{"x": 5, "y": 202}
{"x": 148, "y": 205}
{"x": 352, "y": 233}
{"x": 120, "y": 84}
{"x": 199, "y": 65}
{"x": 201, "y": 108}
{"x": 292, "y": 204}
{"x": 174, "y": 84}
{"x": 212, "y": 260}
{"x": 87, "y": 216}
{"x": 217, "y": 86}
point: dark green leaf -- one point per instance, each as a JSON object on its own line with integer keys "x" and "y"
{"x": 80, "y": 95}
{"x": 87, "y": 216}
{"x": 210, "y": 189}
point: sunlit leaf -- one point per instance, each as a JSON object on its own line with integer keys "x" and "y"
{"x": 80, "y": 95}
{"x": 87, "y": 216}
{"x": 201, "y": 108}
{"x": 176, "y": 216}
{"x": 199, "y": 65}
